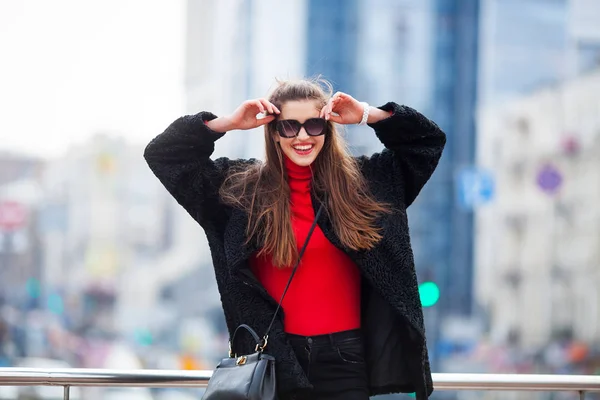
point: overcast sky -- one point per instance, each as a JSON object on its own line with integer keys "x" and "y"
{"x": 71, "y": 68}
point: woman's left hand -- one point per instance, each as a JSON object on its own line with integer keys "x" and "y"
{"x": 343, "y": 109}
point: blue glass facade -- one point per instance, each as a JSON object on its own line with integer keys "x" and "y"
{"x": 454, "y": 99}
{"x": 332, "y": 48}
{"x": 442, "y": 231}
{"x": 332, "y": 30}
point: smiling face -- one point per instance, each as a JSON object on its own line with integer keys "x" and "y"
{"x": 302, "y": 149}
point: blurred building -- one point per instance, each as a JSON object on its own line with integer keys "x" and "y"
{"x": 523, "y": 45}
{"x": 528, "y": 44}
{"x": 332, "y": 41}
{"x": 537, "y": 254}
{"x": 105, "y": 224}
{"x": 584, "y": 36}
{"x": 16, "y": 167}
{"x": 444, "y": 222}
{"x": 376, "y": 50}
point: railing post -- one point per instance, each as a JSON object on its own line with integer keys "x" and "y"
{"x": 66, "y": 393}
{"x": 581, "y": 395}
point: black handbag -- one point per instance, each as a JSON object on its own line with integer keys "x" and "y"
{"x": 251, "y": 376}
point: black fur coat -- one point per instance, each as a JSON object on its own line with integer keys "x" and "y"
{"x": 393, "y": 327}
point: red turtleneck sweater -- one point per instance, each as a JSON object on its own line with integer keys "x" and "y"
{"x": 324, "y": 296}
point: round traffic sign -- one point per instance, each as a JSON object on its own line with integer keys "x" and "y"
{"x": 13, "y": 215}
{"x": 549, "y": 178}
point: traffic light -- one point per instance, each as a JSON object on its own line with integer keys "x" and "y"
{"x": 429, "y": 292}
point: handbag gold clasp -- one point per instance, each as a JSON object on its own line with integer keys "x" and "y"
{"x": 241, "y": 360}
{"x": 262, "y": 347}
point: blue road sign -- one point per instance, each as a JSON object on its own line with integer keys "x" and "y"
{"x": 475, "y": 187}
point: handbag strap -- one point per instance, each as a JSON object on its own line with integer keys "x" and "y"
{"x": 248, "y": 329}
{"x": 302, "y": 250}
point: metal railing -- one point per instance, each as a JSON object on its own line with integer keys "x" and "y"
{"x": 78, "y": 377}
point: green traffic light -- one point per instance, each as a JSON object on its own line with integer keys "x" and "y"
{"x": 429, "y": 293}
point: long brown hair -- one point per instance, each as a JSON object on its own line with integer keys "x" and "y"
{"x": 262, "y": 189}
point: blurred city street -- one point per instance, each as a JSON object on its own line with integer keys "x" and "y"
{"x": 101, "y": 268}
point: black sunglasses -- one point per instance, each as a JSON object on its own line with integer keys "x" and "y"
{"x": 289, "y": 128}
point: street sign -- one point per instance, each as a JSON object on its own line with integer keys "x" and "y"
{"x": 13, "y": 215}
{"x": 549, "y": 179}
{"x": 475, "y": 187}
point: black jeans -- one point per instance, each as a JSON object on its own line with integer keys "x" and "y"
{"x": 334, "y": 364}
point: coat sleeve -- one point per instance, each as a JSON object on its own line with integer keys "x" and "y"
{"x": 180, "y": 157}
{"x": 413, "y": 147}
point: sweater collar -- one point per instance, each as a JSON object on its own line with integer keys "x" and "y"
{"x": 297, "y": 172}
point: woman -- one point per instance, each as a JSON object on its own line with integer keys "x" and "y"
{"x": 352, "y": 322}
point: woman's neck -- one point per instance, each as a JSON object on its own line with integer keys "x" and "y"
{"x": 297, "y": 172}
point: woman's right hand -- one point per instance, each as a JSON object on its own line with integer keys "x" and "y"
{"x": 246, "y": 116}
